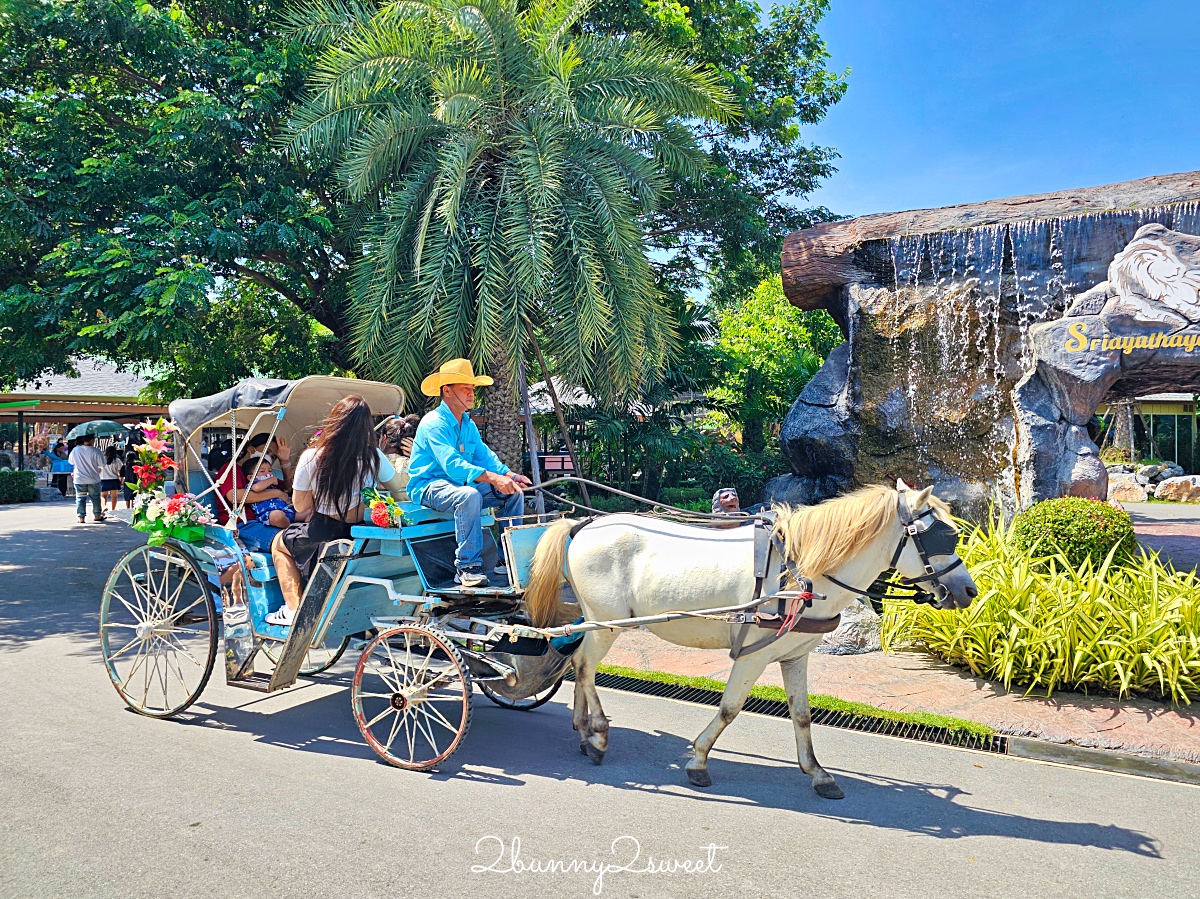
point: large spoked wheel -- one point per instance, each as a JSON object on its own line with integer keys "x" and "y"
{"x": 412, "y": 697}
{"x": 158, "y": 630}
{"x": 318, "y": 659}
{"x": 528, "y": 704}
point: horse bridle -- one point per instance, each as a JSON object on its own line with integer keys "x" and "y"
{"x": 936, "y": 538}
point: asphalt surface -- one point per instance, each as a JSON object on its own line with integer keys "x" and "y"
{"x": 278, "y": 796}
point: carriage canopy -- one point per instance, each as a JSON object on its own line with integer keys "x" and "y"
{"x": 307, "y": 402}
{"x": 254, "y": 406}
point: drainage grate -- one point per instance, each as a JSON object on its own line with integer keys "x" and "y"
{"x": 778, "y": 709}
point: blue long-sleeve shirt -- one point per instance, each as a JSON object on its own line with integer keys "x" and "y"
{"x": 445, "y": 449}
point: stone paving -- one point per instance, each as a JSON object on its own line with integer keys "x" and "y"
{"x": 1173, "y": 529}
{"x": 913, "y": 681}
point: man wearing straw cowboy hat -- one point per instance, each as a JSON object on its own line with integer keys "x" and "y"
{"x": 452, "y": 470}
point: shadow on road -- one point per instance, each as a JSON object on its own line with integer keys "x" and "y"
{"x": 50, "y": 584}
{"x": 508, "y": 748}
{"x": 51, "y": 579}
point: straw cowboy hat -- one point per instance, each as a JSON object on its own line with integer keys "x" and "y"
{"x": 456, "y": 371}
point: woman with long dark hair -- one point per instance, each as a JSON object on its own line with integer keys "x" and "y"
{"x": 328, "y": 484}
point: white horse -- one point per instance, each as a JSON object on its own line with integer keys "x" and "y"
{"x": 623, "y": 566}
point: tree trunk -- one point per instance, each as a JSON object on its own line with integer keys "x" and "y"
{"x": 1123, "y": 429}
{"x": 752, "y": 422}
{"x": 504, "y": 416}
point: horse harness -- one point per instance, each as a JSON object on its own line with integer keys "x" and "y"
{"x": 935, "y": 538}
{"x": 771, "y": 564}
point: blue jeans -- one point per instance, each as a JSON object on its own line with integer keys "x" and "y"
{"x": 82, "y": 493}
{"x": 467, "y": 503}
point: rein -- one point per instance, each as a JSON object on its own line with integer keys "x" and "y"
{"x": 934, "y": 539}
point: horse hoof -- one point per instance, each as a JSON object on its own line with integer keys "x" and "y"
{"x": 596, "y": 755}
{"x": 699, "y": 777}
{"x": 583, "y": 747}
{"x": 829, "y": 790}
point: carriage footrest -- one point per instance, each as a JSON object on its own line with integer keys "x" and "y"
{"x": 257, "y": 681}
{"x": 522, "y": 646}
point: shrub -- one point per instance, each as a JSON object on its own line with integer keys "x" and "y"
{"x": 1077, "y": 528}
{"x": 17, "y": 487}
{"x": 680, "y": 496}
{"x": 1113, "y": 455}
{"x": 610, "y": 502}
{"x": 723, "y": 466}
{"x": 1123, "y": 627}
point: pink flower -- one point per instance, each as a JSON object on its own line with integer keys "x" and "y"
{"x": 159, "y": 446}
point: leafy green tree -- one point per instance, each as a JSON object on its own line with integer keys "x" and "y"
{"x": 770, "y": 350}
{"x": 243, "y": 332}
{"x": 723, "y": 230}
{"x": 137, "y": 170}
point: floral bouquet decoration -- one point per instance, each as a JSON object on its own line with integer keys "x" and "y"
{"x": 384, "y": 513}
{"x": 153, "y": 462}
{"x": 181, "y": 516}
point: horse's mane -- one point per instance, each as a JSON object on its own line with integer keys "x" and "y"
{"x": 819, "y": 539}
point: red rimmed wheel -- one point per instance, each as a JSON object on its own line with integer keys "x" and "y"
{"x": 411, "y": 697}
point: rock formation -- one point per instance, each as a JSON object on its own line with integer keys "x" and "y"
{"x": 981, "y": 338}
{"x": 1182, "y": 489}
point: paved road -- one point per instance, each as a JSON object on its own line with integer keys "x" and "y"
{"x": 277, "y": 796}
{"x": 1173, "y": 529}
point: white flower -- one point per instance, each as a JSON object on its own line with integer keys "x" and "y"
{"x": 153, "y": 511}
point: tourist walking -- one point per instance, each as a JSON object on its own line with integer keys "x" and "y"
{"x": 110, "y": 478}
{"x": 87, "y": 462}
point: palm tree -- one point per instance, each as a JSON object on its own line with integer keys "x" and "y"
{"x": 504, "y": 160}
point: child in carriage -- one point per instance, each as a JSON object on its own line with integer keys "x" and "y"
{"x": 276, "y": 512}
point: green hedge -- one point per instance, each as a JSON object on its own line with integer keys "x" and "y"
{"x": 681, "y": 496}
{"x": 17, "y": 487}
{"x": 1077, "y": 528}
{"x": 1125, "y": 627}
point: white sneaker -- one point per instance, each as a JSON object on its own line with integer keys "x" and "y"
{"x": 283, "y": 616}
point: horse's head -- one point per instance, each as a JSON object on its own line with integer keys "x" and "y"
{"x": 928, "y": 557}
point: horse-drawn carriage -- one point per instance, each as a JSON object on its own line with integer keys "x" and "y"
{"x": 168, "y": 611}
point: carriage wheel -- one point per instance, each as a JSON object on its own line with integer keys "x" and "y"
{"x": 412, "y": 697}
{"x": 318, "y": 659}
{"x": 158, "y": 630}
{"x": 528, "y": 704}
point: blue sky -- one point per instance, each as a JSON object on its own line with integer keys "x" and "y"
{"x": 957, "y": 102}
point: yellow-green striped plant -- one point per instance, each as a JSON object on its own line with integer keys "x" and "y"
{"x": 1123, "y": 627}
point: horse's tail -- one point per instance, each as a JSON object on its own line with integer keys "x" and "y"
{"x": 546, "y": 574}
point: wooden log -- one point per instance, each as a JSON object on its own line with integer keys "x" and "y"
{"x": 817, "y": 262}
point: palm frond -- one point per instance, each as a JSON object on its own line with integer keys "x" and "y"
{"x": 503, "y": 164}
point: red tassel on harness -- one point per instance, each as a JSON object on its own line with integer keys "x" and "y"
{"x": 795, "y": 608}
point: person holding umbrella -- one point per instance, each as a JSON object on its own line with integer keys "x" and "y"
{"x": 88, "y": 463}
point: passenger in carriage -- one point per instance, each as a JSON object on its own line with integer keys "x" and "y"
{"x": 328, "y": 485}
{"x": 232, "y": 484}
{"x": 453, "y": 471}
{"x": 397, "y": 444}
{"x": 275, "y": 512}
